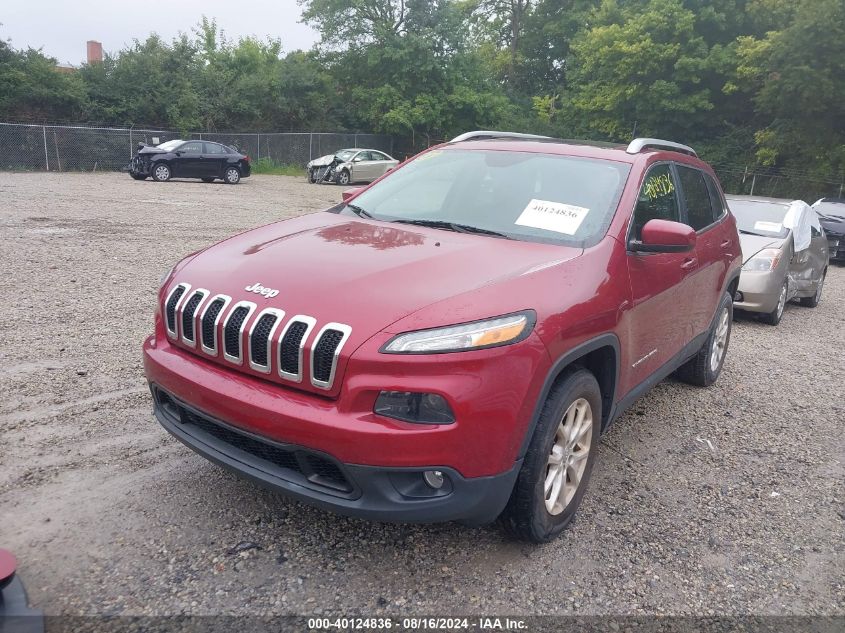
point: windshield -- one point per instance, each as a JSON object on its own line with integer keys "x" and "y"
{"x": 170, "y": 145}
{"x": 345, "y": 154}
{"x": 759, "y": 217}
{"x": 520, "y": 195}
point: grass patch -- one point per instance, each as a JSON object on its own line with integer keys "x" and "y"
{"x": 269, "y": 166}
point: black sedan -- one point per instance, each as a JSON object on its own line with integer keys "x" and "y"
{"x": 831, "y": 212}
{"x": 189, "y": 159}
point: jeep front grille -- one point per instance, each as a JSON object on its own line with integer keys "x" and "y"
{"x": 199, "y": 316}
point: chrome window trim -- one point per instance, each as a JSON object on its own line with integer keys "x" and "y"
{"x": 174, "y": 334}
{"x": 346, "y": 331}
{"x": 280, "y": 314}
{"x": 310, "y": 323}
{"x": 239, "y": 359}
{"x": 212, "y": 351}
{"x": 182, "y": 337}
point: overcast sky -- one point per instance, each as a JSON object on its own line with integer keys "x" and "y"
{"x": 61, "y": 27}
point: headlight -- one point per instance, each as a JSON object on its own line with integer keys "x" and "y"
{"x": 502, "y": 330}
{"x": 765, "y": 260}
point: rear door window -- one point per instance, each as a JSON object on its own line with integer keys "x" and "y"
{"x": 697, "y": 198}
{"x": 717, "y": 202}
{"x": 657, "y": 199}
{"x": 214, "y": 148}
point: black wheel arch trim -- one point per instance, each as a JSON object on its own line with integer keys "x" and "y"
{"x": 559, "y": 366}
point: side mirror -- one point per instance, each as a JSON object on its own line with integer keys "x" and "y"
{"x": 350, "y": 193}
{"x": 665, "y": 236}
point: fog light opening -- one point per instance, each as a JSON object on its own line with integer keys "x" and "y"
{"x": 434, "y": 478}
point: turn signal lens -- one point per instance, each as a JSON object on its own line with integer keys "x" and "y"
{"x": 455, "y": 338}
{"x": 765, "y": 260}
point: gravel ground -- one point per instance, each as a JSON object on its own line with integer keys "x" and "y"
{"x": 727, "y": 500}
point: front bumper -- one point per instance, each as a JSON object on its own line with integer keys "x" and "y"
{"x": 836, "y": 246}
{"x": 759, "y": 291}
{"x": 371, "y": 492}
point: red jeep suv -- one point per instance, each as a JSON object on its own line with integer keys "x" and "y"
{"x": 449, "y": 342}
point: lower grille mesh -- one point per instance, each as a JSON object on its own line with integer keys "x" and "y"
{"x": 313, "y": 467}
{"x": 232, "y": 341}
{"x": 208, "y": 323}
{"x": 324, "y": 354}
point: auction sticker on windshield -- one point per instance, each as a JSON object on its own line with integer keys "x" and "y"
{"x": 552, "y": 216}
{"x": 775, "y": 227}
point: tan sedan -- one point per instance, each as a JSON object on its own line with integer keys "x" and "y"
{"x": 784, "y": 255}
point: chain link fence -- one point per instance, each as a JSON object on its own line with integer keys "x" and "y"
{"x": 793, "y": 184}
{"x": 29, "y": 147}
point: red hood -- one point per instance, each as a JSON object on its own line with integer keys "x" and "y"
{"x": 361, "y": 273}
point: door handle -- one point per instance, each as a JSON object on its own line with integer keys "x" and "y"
{"x": 689, "y": 264}
{"x": 726, "y": 244}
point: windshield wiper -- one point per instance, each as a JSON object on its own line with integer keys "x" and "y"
{"x": 454, "y": 226}
{"x": 744, "y": 232}
{"x": 361, "y": 213}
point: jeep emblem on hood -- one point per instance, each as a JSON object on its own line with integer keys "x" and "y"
{"x": 258, "y": 289}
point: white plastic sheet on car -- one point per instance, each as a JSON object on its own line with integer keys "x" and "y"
{"x": 799, "y": 218}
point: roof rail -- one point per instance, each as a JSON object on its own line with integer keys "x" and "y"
{"x": 639, "y": 144}
{"x": 491, "y": 134}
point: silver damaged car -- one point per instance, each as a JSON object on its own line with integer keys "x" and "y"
{"x": 350, "y": 165}
{"x": 784, "y": 255}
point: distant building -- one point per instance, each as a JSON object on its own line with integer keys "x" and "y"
{"x": 95, "y": 52}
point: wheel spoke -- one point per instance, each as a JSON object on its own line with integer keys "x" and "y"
{"x": 579, "y": 456}
{"x": 551, "y": 475}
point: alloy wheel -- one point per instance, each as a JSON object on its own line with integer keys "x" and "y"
{"x": 720, "y": 340}
{"x": 568, "y": 458}
{"x": 781, "y": 302}
{"x": 162, "y": 172}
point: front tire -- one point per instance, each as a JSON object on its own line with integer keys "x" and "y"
{"x": 559, "y": 460}
{"x": 704, "y": 368}
{"x": 232, "y": 176}
{"x": 812, "y": 302}
{"x": 161, "y": 172}
{"x": 774, "y": 317}
{"x": 343, "y": 177}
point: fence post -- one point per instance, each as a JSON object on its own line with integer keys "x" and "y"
{"x": 130, "y": 141}
{"x": 310, "y": 144}
{"x": 46, "y": 157}
{"x": 840, "y": 189}
{"x": 356, "y": 139}
{"x": 259, "y": 145}
{"x": 753, "y": 182}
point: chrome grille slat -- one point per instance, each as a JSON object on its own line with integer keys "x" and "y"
{"x": 188, "y": 315}
{"x": 325, "y": 353}
{"x": 291, "y": 348}
{"x": 171, "y": 307}
{"x": 261, "y": 336}
{"x": 233, "y": 330}
{"x": 210, "y": 320}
